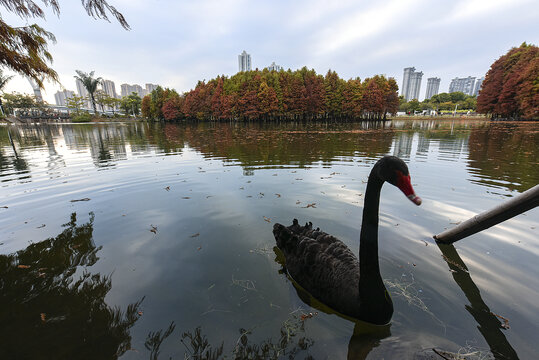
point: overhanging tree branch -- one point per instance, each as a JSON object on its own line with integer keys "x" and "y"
{"x": 24, "y": 49}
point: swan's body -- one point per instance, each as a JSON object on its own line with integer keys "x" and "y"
{"x": 327, "y": 268}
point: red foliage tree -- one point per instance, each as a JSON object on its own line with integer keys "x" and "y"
{"x": 510, "y": 86}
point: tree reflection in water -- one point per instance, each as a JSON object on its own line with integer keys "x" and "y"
{"x": 291, "y": 344}
{"x": 46, "y": 312}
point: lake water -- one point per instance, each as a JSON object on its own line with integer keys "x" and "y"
{"x": 140, "y": 240}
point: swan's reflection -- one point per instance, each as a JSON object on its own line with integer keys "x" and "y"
{"x": 489, "y": 324}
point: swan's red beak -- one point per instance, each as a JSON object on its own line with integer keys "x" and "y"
{"x": 404, "y": 183}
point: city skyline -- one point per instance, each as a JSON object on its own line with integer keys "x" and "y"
{"x": 108, "y": 86}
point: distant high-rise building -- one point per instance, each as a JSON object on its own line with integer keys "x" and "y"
{"x": 109, "y": 88}
{"x": 151, "y": 87}
{"x": 411, "y": 83}
{"x": 477, "y": 86}
{"x": 433, "y": 85}
{"x": 244, "y": 61}
{"x": 36, "y": 88}
{"x": 139, "y": 90}
{"x": 127, "y": 89}
{"x": 81, "y": 90}
{"x": 464, "y": 85}
{"x": 274, "y": 67}
{"x": 61, "y": 97}
{"x": 415, "y": 84}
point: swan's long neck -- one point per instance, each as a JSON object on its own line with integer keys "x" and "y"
{"x": 371, "y": 287}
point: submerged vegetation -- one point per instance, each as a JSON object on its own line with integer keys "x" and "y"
{"x": 270, "y": 95}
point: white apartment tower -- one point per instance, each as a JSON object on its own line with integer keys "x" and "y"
{"x": 36, "y": 88}
{"x": 151, "y": 87}
{"x": 274, "y": 67}
{"x": 109, "y": 88}
{"x": 244, "y": 61}
{"x": 61, "y": 97}
{"x": 127, "y": 89}
{"x": 411, "y": 83}
{"x": 477, "y": 86}
{"x": 81, "y": 90}
{"x": 464, "y": 85}
{"x": 433, "y": 86}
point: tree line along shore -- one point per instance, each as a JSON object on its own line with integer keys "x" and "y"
{"x": 510, "y": 91}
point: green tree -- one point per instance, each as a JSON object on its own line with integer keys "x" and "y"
{"x": 15, "y": 101}
{"x": 101, "y": 99}
{"x": 414, "y": 106}
{"x": 4, "y": 79}
{"x": 90, "y": 84}
{"x": 24, "y": 49}
{"x": 112, "y": 103}
{"x": 75, "y": 103}
{"x": 130, "y": 104}
{"x": 457, "y": 96}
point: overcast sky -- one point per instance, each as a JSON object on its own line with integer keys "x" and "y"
{"x": 175, "y": 43}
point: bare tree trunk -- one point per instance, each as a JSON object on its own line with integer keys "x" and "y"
{"x": 517, "y": 205}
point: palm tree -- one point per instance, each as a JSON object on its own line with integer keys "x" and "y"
{"x": 3, "y": 82}
{"x": 90, "y": 84}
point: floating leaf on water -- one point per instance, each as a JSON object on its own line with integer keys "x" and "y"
{"x": 278, "y": 195}
{"x": 84, "y": 199}
{"x": 211, "y": 287}
{"x": 140, "y": 313}
{"x": 43, "y": 317}
{"x": 41, "y": 226}
{"x": 266, "y": 219}
{"x": 195, "y": 235}
{"x": 198, "y": 248}
{"x": 185, "y": 197}
{"x": 23, "y": 266}
{"x": 153, "y": 229}
{"x": 246, "y": 284}
{"x": 449, "y": 261}
{"x": 505, "y": 324}
{"x": 313, "y": 205}
{"x": 304, "y": 317}
{"x": 167, "y": 188}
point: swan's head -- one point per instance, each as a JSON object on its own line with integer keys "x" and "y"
{"x": 394, "y": 171}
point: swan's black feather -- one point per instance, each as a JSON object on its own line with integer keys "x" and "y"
{"x": 322, "y": 264}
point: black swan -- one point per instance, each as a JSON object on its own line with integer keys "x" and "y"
{"x": 329, "y": 271}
